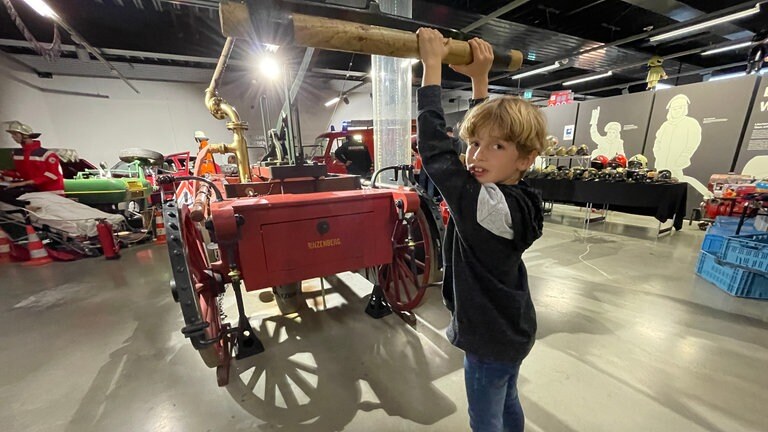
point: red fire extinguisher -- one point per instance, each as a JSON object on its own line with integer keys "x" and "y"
{"x": 107, "y": 240}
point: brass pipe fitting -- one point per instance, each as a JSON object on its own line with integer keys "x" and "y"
{"x": 221, "y": 109}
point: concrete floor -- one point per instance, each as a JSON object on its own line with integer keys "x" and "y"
{"x": 629, "y": 340}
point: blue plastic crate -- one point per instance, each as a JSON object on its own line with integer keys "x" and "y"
{"x": 733, "y": 280}
{"x": 713, "y": 243}
{"x": 722, "y": 228}
{"x": 747, "y": 251}
{"x": 725, "y": 221}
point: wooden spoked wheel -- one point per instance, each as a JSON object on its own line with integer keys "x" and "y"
{"x": 207, "y": 290}
{"x": 405, "y": 280}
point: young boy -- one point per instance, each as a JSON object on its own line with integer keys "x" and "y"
{"x": 495, "y": 217}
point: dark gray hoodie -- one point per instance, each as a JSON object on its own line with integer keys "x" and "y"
{"x": 485, "y": 284}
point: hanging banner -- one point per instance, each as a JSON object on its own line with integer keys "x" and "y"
{"x": 753, "y": 156}
{"x": 562, "y": 97}
{"x": 614, "y": 125}
{"x": 694, "y": 130}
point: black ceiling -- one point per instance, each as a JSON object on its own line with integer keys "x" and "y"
{"x": 545, "y": 30}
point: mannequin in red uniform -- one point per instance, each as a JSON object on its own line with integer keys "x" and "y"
{"x": 36, "y": 168}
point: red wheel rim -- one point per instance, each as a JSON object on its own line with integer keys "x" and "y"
{"x": 206, "y": 288}
{"x": 405, "y": 280}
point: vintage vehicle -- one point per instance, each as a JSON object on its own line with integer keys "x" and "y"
{"x": 283, "y": 221}
{"x": 322, "y": 151}
{"x": 106, "y": 189}
{"x": 177, "y": 164}
{"x": 72, "y": 163}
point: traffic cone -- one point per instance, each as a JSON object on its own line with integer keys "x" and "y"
{"x": 159, "y": 227}
{"x": 5, "y": 247}
{"x": 37, "y": 253}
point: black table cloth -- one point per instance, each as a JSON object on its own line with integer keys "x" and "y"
{"x": 663, "y": 201}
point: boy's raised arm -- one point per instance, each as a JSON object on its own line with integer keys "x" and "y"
{"x": 440, "y": 159}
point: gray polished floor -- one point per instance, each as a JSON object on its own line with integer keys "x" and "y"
{"x": 629, "y": 340}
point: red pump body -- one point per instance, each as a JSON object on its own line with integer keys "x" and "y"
{"x": 292, "y": 237}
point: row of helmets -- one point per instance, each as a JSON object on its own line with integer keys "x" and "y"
{"x": 636, "y": 162}
{"x": 553, "y": 149}
{"x": 616, "y": 169}
{"x": 582, "y": 150}
{"x": 608, "y": 174}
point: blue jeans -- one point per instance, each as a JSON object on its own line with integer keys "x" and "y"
{"x": 492, "y": 395}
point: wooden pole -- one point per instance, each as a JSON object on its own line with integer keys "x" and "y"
{"x": 338, "y": 35}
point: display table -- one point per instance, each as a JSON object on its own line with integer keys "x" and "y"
{"x": 663, "y": 201}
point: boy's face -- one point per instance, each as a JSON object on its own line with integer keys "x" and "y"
{"x": 493, "y": 160}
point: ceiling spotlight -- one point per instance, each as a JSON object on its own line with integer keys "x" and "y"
{"x": 728, "y": 48}
{"x": 705, "y": 24}
{"x": 727, "y": 76}
{"x": 42, "y": 8}
{"x": 269, "y": 67}
{"x": 271, "y": 48}
{"x": 589, "y": 78}
{"x": 537, "y": 71}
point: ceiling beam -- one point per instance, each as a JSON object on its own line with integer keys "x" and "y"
{"x": 210, "y": 4}
{"x": 681, "y": 12}
{"x": 79, "y": 39}
{"x": 639, "y": 64}
{"x": 698, "y": 71}
{"x": 339, "y": 72}
{"x": 129, "y": 53}
{"x": 24, "y": 82}
{"x": 630, "y": 39}
{"x": 495, "y": 14}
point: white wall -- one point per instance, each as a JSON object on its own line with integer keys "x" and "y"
{"x": 312, "y": 96}
{"x": 163, "y": 117}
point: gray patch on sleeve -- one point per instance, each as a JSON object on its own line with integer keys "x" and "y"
{"x": 493, "y": 212}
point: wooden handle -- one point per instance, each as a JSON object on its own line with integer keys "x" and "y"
{"x": 337, "y": 35}
{"x": 199, "y": 206}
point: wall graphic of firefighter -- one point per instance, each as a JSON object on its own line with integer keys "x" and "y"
{"x": 757, "y": 167}
{"x": 677, "y": 140}
{"x": 609, "y": 144}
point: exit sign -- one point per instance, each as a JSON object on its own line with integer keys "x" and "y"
{"x": 528, "y": 94}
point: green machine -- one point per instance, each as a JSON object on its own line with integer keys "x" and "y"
{"x": 105, "y": 187}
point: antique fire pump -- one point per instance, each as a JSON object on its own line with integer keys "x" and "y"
{"x": 281, "y": 222}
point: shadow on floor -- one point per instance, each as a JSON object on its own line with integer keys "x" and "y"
{"x": 309, "y": 377}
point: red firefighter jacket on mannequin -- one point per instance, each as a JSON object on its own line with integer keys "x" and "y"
{"x": 33, "y": 162}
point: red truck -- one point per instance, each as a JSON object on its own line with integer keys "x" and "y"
{"x": 327, "y": 143}
{"x": 322, "y": 151}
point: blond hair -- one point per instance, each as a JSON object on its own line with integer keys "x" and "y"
{"x": 510, "y": 119}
